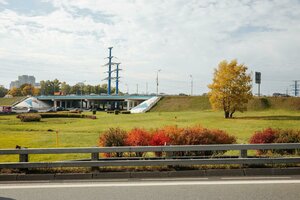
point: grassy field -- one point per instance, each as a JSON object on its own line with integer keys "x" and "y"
{"x": 198, "y": 103}
{"x": 85, "y": 132}
{"x": 10, "y": 101}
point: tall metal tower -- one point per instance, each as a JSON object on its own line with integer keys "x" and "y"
{"x": 109, "y": 77}
{"x": 296, "y": 87}
{"x": 117, "y": 78}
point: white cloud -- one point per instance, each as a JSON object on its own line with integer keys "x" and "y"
{"x": 180, "y": 37}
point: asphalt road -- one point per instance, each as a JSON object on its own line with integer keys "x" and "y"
{"x": 226, "y": 188}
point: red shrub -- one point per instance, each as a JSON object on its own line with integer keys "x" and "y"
{"x": 159, "y": 138}
{"x": 276, "y": 136}
{"x": 174, "y": 133}
{"x": 137, "y": 137}
{"x": 113, "y": 137}
{"x": 266, "y": 136}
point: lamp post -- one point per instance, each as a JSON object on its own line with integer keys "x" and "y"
{"x": 191, "y": 76}
{"x": 127, "y": 88}
{"x": 157, "y": 81}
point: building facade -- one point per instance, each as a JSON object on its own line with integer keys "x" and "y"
{"x": 22, "y": 80}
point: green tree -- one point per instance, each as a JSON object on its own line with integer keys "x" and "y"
{"x": 231, "y": 88}
{"x": 55, "y": 85}
{"x": 65, "y": 88}
{"x": 3, "y": 91}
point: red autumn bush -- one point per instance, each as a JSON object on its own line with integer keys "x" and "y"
{"x": 198, "y": 135}
{"x": 266, "y": 136}
{"x": 159, "y": 138}
{"x": 138, "y": 137}
{"x": 270, "y": 135}
{"x": 113, "y": 137}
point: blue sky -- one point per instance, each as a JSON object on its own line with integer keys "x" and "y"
{"x": 68, "y": 40}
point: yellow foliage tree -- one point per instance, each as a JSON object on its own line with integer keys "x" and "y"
{"x": 231, "y": 88}
{"x": 27, "y": 90}
{"x": 15, "y": 92}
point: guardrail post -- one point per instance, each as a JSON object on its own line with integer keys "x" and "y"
{"x": 95, "y": 157}
{"x": 23, "y": 157}
{"x": 243, "y": 154}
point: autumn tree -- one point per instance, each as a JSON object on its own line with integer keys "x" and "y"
{"x": 231, "y": 88}
{"x": 15, "y": 92}
{"x": 27, "y": 89}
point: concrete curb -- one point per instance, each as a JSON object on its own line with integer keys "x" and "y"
{"x": 154, "y": 174}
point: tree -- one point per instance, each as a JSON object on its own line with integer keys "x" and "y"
{"x": 3, "y": 91}
{"x": 27, "y": 89}
{"x": 15, "y": 92}
{"x": 231, "y": 88}
{"x": 65, "y": 88}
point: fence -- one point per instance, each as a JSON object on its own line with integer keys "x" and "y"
{"x": 167, "y": 160}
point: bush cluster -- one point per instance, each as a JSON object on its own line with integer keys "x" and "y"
{"x": 270, "y": 135}
{"x": 66, "y": 115}
{"x": 169, "y": 135}
{"x": 29, "y": 117}
{"x": 55, "y": 115}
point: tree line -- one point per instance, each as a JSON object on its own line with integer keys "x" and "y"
{"x": 50, "y": 87}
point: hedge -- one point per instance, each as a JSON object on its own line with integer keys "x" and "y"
{"x": 170, "y": 135}
{"x": 29, "y": 117}
{"x": 270, "y": 135}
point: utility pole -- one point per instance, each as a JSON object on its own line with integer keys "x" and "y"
{"x": 157, "y": 81}
{"x": 191, "y": 76}
{"x": 146, "y": 88}
{"x": 127, "y": 87}
{"x": 137, "y": 89}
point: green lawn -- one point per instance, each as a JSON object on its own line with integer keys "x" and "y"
{"x": 85, "y": 132}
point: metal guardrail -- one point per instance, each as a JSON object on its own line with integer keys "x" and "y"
{"x": 168, "y": 160}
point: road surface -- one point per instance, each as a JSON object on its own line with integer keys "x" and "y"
{"x": 221, "y": 188}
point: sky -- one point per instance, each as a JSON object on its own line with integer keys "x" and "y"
{"x": 68, "y": 40}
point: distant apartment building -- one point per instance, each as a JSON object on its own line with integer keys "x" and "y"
{"x": 22, "y": 80}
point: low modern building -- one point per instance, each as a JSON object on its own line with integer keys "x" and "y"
{"x": 102, "y": 102}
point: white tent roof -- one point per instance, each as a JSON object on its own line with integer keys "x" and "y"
{"x": 32, "y": 102}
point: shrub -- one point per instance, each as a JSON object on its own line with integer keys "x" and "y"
{"x": 198, "y": 135}
{"x": 138, "y": 137}
{"x": 29, "y": 117}
{"x": 61, "y": 115}
{"x": 90, "y": 116}
{"x": 266, "y": 136}
{"x": 175, "y": 134}
{"x": 159, "y": 138}
{"x": 113, "y": 137}
{"x": 125, "y": 112}
{"x": 270, "y": 135}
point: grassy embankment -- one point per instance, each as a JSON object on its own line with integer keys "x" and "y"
{"x": 85, "y": 132}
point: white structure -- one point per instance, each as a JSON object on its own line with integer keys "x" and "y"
{"x": 145, "y": 106}
{"x": 31, "y": 103}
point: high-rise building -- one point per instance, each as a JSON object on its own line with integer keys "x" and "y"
{"x": 22, "y": 80}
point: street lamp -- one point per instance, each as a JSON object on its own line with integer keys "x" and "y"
{"x": 191, "y": 76}
{"x": 127, "y": 88}
{"x": 157, "y": 81}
